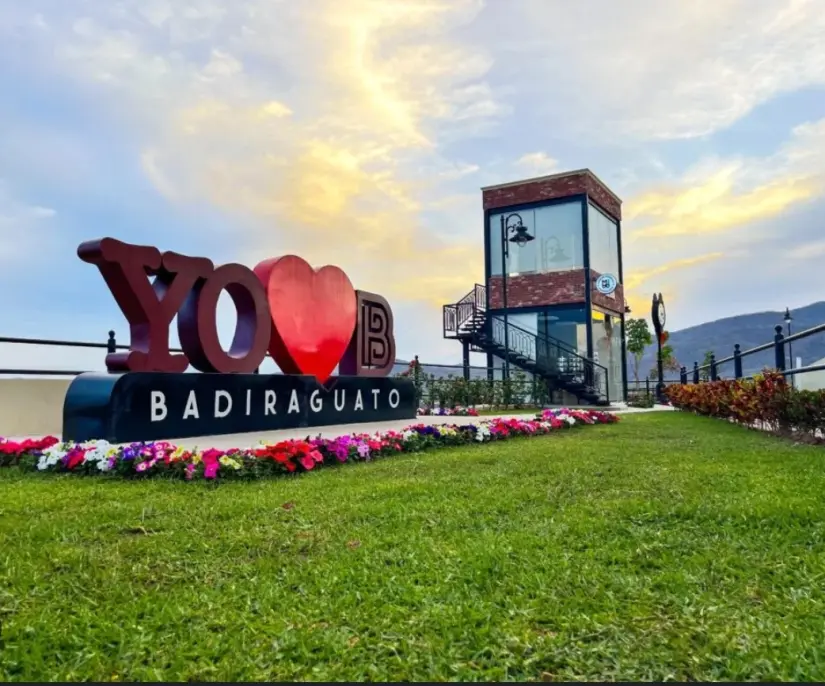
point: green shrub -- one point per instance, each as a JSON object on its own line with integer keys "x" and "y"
{"x": 767, "y": 400}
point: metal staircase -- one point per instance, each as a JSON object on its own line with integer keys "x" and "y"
{"x": 556, "y": 362}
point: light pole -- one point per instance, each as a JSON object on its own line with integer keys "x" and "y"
{"x": 788, "y": 320}
{"x": 520, "y": 237}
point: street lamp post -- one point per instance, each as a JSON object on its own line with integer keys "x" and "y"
{"x": 788, "y": 320}
{"x": 520, "y": 237}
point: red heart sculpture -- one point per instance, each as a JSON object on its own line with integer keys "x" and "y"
{"x": 313, "y": 315}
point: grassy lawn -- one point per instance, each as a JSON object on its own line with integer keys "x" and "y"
{"x": 665, "y": 547}
{"x": 510, "y": 411}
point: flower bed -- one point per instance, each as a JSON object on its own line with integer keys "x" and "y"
{"x": 766, "y": 402}
{"x": 447, "y": 412}
{"x": 285, "y": 457}
{"x": 577, "y": 416}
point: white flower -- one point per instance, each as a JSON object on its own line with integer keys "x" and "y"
{"x": 51, "y": 456}
{"x": 99, "y": 453}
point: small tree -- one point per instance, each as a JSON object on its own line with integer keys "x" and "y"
{"x": 704, "y": 375}
{"x": 669, "y": 361}
{"x": 638, "y": 337}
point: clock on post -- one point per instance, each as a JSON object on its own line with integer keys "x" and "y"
{"x": 659, "y": 316}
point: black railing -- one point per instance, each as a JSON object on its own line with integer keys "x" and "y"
{"x": 460, "y": 317}
{"x": 111, "y": 345}
{"x": 551, "y": 356}
{"x": 468, "y": 320}
{"x": 710, "y": 371}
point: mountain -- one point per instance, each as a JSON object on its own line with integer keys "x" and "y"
{"x": 440, "y": 371}
{"x": 749, "y": 331}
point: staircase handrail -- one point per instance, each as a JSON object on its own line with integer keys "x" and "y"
{"x": 550, "y": 339}
{"x": 477, "y": 296}
{"x": 529, "y": 343}
{"x": 466, "y": 309}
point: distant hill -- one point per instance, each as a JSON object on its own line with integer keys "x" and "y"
{"x": 749, "y": 331}
{"x": 439, "y": 371}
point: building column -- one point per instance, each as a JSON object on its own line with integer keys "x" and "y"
{"x": 466, "y": 359}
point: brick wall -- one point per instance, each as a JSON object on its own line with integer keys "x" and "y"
{"x": 551, "y": 188}
{"x": 613, "y": 302}
{"x": 553, "y": 288}
{"x": 531, "y": 290}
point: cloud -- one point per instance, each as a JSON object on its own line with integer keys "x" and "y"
{"x": 24, "y": 229}
{"x": 358, "y": 133}
{"x": 661, "y": 70}
{"x": 331, "y": 169}
{"x": 807, "y": 251}
{"x": 537, "y": 163}
{"x": 639, "y": 302}
{"x": 719, "y": 195}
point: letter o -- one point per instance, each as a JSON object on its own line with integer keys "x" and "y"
{"x": 397, "y": 398}
{"x": 198, "y": 326}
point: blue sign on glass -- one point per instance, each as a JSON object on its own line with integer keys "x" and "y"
{"x": 606, "y": 284}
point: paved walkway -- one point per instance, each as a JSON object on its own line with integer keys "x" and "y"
{"x": 249, "y": 440}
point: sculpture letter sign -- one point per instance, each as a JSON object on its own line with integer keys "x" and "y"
{"x": 310, "y": 321}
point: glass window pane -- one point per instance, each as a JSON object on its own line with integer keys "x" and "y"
{"x": 559, "y": 237}
{"x": 604, "y": 242}
{"x": 557, "y": 244}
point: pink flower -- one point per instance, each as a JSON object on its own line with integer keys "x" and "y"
{"x": 307, "y": 462}
{"x": 210, "y": 463}
{"x": 210, "y": 470}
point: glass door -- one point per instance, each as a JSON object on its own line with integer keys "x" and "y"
{"x": 607, "y": 350}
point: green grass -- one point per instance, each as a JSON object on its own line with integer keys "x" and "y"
{"x": 666, "y": 547}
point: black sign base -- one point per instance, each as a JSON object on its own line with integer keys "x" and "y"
{"x": 125, "y": 408}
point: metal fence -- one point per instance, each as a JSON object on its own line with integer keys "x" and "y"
{"x": 731, "y": 366}
{"x": 437, "y": 385}
{"x": 442, "y": 371}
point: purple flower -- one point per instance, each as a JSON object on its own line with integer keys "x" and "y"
{"x": 131, "y": 452}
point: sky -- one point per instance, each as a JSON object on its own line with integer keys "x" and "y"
{"x": 359, "y": 133}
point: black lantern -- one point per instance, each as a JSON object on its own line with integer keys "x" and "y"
{"x": 521, "y": 236}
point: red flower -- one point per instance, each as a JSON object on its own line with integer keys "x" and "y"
{"x": 75, "y": 457}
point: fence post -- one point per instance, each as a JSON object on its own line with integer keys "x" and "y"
{"x": 695, "y": 372}
{"x": 419, "y": 396}
{"x": 647, "y": 386}
{"x": 737, "y": 362}
{"x": 779, "y": 345}
{"x": 714, "y": 374}
{"x": 683, "y": 375}
{"x": 111, "y": 344}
